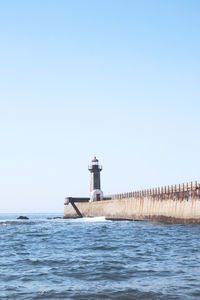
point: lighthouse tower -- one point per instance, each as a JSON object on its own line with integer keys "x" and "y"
{"x": 95, "y": 183}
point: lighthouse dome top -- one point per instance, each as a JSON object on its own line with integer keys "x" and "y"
{"x": 95, "y": 159}
{"x": 95, "y": 165}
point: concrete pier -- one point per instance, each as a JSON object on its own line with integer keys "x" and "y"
{"x": 171, "y": 204}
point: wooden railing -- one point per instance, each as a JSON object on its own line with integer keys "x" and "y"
{"x": 181, "y": 191}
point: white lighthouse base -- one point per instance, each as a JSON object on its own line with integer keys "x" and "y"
{"x": 96, "y": 195}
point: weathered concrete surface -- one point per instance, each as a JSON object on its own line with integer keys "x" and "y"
{"x": 143, "y": 208}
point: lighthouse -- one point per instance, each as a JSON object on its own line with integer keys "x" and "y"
{"x": 95, "y": 182}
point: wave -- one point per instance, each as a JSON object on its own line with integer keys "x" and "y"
{"x": 8, "y": 222}
{"x": 90, "y": 219}
{"x": 16, "y": 222}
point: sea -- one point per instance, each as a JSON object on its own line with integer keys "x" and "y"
{"x": 92, "y": 258}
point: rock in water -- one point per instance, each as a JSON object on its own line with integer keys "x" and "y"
{"x": 23, "y": 218}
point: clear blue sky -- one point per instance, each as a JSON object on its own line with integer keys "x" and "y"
{"x": 119, "y": 79}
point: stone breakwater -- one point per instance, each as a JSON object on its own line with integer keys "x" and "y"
{"x": 172, "y": 204}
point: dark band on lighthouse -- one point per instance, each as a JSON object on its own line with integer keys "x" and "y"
{"x": 95, "y": 181}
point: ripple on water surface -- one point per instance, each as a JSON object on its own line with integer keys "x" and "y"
{"x": 44, "y": 258}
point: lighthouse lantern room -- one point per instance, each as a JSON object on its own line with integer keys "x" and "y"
{"x": 95, "y": 182}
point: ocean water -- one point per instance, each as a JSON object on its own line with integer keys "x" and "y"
{"x": 44, "y": 258}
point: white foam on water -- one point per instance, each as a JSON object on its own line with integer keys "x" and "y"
{"x": 90, "y": 219}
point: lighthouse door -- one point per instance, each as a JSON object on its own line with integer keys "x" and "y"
{"x": 98, "y": 197}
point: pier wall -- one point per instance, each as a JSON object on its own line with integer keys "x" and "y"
{"x": 173, "y": 204}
